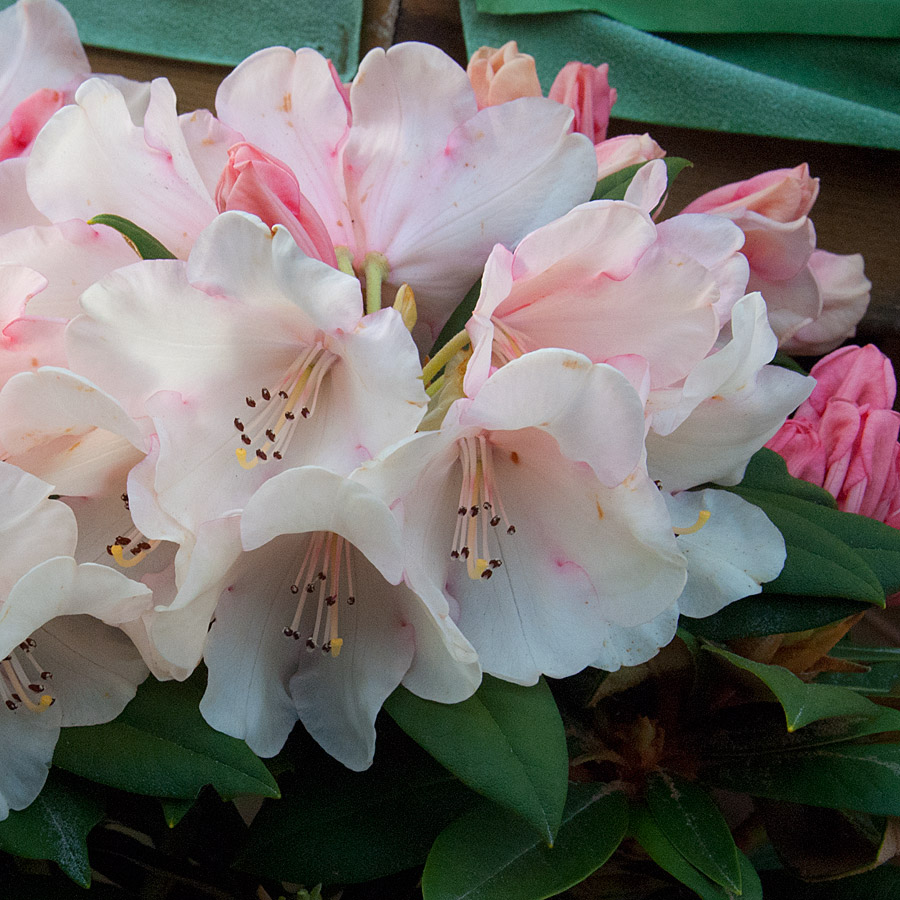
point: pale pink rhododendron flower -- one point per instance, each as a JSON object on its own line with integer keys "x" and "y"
{"x": 63, "y": 661}
{"x": 413, "y": 179}
{"x": 41, "y": 63}
{"x": 844, "y": 437}
{"x": 316, "y": 621}
{"x": 503, "y": 74}
{"x": 532, "y": 510}
{"x": 815, "y": 299}
{"x": 586, "y": 90}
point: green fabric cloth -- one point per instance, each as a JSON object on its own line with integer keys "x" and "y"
{"x": 221, "y": 31}
{"x": 811, "y": 92}
{"x": 863, "y": 18}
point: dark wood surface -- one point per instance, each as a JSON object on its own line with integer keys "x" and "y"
{"x": 860, "y": 187}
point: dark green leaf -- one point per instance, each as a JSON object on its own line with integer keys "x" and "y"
{"x": 614, "y": 186}
{"x": 489, "y": 854}
{"x": 766, "y": 613}
{"x": 767, "y": 471}
{"x": 143, "y": 243}
{"x": 848, "y": 650}
{"x": 882, "y": 680}
{"x": 161, "y": 745}
{"x": 56, "y": 827}
{"x": 507, "y": 742}
{"x": 804, "y": 703}
{"x": 334, "y": 825}
{"x": 176, "y": 810}
{"x": 692, "y": 822}
{"x": 661, "y": 850}
{"x": 458, "y": 318}
{"x": 839, "y": 776}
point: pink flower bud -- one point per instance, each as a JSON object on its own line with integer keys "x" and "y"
{"x": 501, "y": 75}
{"x": 844, "y": 437}
{"x": 586, "y": 89}
{"x": 625, "y": 150}
{"x": 27, "y": 119}
{"x": 255, "y": 182}
{"x": 781, "y": 195}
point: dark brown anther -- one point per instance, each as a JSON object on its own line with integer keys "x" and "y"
{"x": 351, "y": 601}
{"x": 122, "y": 541}
{"x": 321, "y": 576}
{"x": 277, "y": 454}
{"x": 330, "y": 601}
{"x": 326, "y": 647}
{"x": 265, "y": 394}
{"x": 295, "y": 589}
{"x": 36, "y": 688}
{"x": 287, "y": 631}
{"x": 305, "y": 412}
{"x": 31, "y": 642}
{"x": 511, "y": 529}
{"x": 486, "y": 574}
{"x": 283, "y": 395}
{"x": 289, "y": 416}
{"x": 495, "y": 521}
{"x": 310, "y": 588}
{"x": 310, "y": 644}
{"x": 239, "y": 424}
{"x": 462, "y": 511}
{"x": 270, "y": 434}
{"x": 473, "y": 511}
{"x": 454, "y": 554}
{"x": 495, "y": 563}
{"x": 246, "y": 439}
{"x": 464, "y": 553}
{"x": 11, "y": 705}
{"x": 250, "y": 402}
{"x": 261, "y": 454}
{"x": 47, "y": 676}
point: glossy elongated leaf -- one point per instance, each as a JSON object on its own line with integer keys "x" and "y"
{"x": 489, "y": 854}
{"x": 804, "y": 703}
{"x": 768, "y": 613}
{"x": 882, "y": 680}
{"x": 661, "y": 850}
{"x": 864, "y": 777}
{"x": 56, "y": 826}
{"x": 756, "y": 728}
{"x": 507, "y": 742}
{"x": 142, "y": 242}
{"x": 614, "y": 186}
{"x": 334, "y": 825}
{"x": 693, "y": 824}
{"x": 161, "y": 745}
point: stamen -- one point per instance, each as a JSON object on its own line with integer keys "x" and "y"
{"x": 509, "y": 344}
{"x": 326, "y": 560}
{"x": 479, "y": 509}
{"x": 271, "y": 428}
{"x": 702, "y": 519}
{"x": 17, "y": 688}
{"x": 131, "y": 548}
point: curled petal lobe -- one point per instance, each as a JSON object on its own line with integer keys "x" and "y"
{"x": 504, "y": 74}
{"x": 586, "y": 90}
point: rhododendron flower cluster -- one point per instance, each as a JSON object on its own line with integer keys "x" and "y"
{"x": 251, "y": 447}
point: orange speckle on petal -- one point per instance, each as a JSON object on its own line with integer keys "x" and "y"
{"x": 599, "y": 511}
{"x": 287, "y": 102}
{"x": 514, "y": 457}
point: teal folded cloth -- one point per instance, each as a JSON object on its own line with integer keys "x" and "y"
{"x": 221, "y": 31}
{"x": 862, "y": 18}
{"x": 823, "y": 88}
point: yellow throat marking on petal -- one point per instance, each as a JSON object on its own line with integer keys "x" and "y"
{"x": 702, "y": 519}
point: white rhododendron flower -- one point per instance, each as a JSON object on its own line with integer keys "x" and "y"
{"x": 61, "y": 661}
